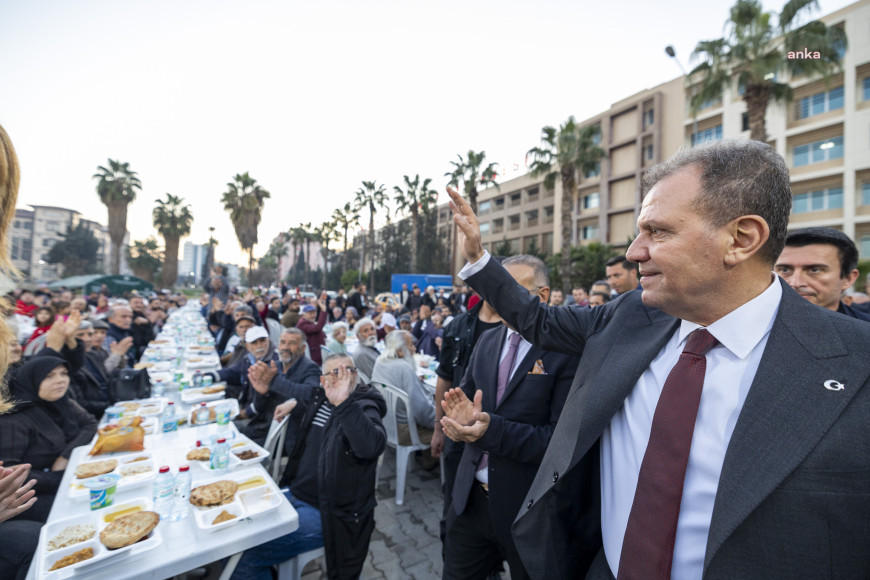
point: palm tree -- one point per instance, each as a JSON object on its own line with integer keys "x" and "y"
{"x": 117, "y": 189}
{"x": 371, "y": 196}
{"x": 244, "y": 200}
{"x": 144, "y": 258}
{"x": 345, "y": 218}
{"x": 209, "y": 256}
{"x": 307, "y": 234}
{"x": 564, "y": 152}
{"x": 416, "y": 197}
{"x": 325, "y": 233}
{"x": 753, "y": 53}
{"x": 172, "y": 221}
{"x": 471, "y": 173}
{"x": 297, "y": 234}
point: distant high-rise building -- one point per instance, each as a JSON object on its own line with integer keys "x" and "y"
{"x": 192, "y": 262}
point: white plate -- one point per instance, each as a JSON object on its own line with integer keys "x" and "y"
{"x": 234, "y": 410}
{"x": 268, "y": 497}
{"x": 194, "y": 396}
{"x": 204, "y": 518}
{"x": 203, "y": 363}
{"x": 102, "y": 555}
{"x": 262, "y": 454}
{"x": 79, "y": 492}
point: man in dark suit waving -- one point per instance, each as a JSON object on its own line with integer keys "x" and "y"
{"x": 518, "y": 391}
{"x": 727, "y": 415}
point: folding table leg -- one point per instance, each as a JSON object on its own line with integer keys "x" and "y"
{"x": 231, "y": 566}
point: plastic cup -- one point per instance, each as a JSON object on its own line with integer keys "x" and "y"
{"x": 102, "y": 489}
{"x": 222, "y": 414}
{"x": 114, "y": 414}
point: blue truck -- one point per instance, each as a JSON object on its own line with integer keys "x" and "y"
{"x": 421, "y": 280}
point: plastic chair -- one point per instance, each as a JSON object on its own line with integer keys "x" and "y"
{"x": 292, "y": 569}
{"x": 393, "y": 395}
{"x": 275, "y": 445}
{"x": 324, "y": 352}
{"x": 363, "y": 378}
{"x": 274, "y": 328}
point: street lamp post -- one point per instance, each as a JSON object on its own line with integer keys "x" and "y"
{"x": 669, "y": 50}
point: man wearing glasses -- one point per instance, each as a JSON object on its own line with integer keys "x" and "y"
{"x": 331, "y": 474}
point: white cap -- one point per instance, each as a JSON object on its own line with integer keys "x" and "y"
{"x": 255, "y": 333}
{"x": 388, "y": 319}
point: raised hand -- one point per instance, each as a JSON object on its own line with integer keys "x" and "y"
{"x": 15, "y": 497}
{"x": 469, "y": 226}
{"x": 122, "y": 346}
{"x": 459, "y": 408}
{"x": 466, "y": 434}
{"x": 338, "y": 387}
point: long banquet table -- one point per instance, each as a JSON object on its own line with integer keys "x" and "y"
{"x": 184, "y": 545}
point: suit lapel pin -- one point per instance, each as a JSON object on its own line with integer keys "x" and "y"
{"x": 833, "y": 385}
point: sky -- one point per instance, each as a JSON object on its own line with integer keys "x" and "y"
{"x": 312, "y": 97}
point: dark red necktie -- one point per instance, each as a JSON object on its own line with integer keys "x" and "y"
{"x": 648, "y": 546}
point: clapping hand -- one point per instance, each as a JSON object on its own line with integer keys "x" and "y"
{"x": 338, "y": 387}
{"x": 463, "y": 420}
{"x": 121, "y": 347}
{"x": 15, "y": 497}
{"x": 469, "y": 227}
{"x": 261, "y": 375}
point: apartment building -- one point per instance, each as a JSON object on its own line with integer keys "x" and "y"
{"x": 823, "y": 133}
{"x": 36, "y": 230}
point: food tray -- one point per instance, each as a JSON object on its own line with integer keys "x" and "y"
{"x": 151, "y": 407}
{"x": 206, "y": 465}
{"x": 257, "y": 495}
{"x": 102, "y": 555}
{"x": 203, "y": 362}
{"x": 195, "y": 396}
{"x": 78, "y": 492}
{"x": 234, "y": 410}
{"x": 242, "y": 444}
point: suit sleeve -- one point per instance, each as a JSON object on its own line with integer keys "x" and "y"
{"x": 523, "y": 442}
{"x": 558, "y": 328}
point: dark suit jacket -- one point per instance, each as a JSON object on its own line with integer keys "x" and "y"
{"x": 520, "y": 425}
{"x": 793, "y": 499}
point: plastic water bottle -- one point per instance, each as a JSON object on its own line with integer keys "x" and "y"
{"x": 202, "y": 414}
{"x": 170, "y": 422}
{"x": 158, "y": 388}
{"x": 196, "y": 380}
{"x": 220, "y": 455}
{"x": 164, "y": 487}
{"x": 181, "y": 504}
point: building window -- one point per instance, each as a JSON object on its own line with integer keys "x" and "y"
{"x": 865, "y": 246}
{"x": 499, "y": 204}
{"x": 818, "y": 152}
{"x": 498, "y": 226}
{"x": 532, "y": 218}
{"x": 548, "y": 214}
{"x": 595, "y": 172}
{"x": 547, "y": 243}
{"x": 591, "y": 201}
{"x": 865, "y": 92}
{"x": 48, "y": 242}
{"x": 744, "y": 122}
{"x": 516, "y": 199}
{"x": 484, "y": 229}
{"x": 822, "y": 199}
{"x": 28, "y": 225}
{"x": 648, "y": 152}
{"x": 52, "y": 226}
{"x": 589, "y": 232}
{"x": 514, "y": 222}
{"x": 483, "y": 207}
{"x": 705, "y": 135}
{"x": 47, "y": 272}
{"x": 533, "y": 194}
{"x": 820, "y": 103}
{"x": 648, "y": 118}
{"x": 865, "y": 193}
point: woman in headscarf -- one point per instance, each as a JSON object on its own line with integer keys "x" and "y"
{"x": 43, "y": 427}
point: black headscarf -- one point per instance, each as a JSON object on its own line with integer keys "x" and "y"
{"x": 24, "y": 388}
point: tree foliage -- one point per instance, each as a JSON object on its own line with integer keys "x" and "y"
{"x": 117, "y": 188}
{"x": 145, "y": 258}
{"x": 77, "y": 251}
{"x": 755, "y": 51}
{"x": 244, "y": 200}
{"x": 173, "y": 220}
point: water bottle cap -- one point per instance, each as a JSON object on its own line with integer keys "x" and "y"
{"x": 221, "y": 440}
{"x": 170, "y": 403}
{"x": 202, "y": 404}
{"x": 164, "y": 469}
{"x": 183, "y": 468}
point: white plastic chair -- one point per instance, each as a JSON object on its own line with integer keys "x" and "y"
{"x": 324, "y": 352}
{"x": 292, "y": 569}
{"x": 393, "y": 395}
{"x": 275, "y": 445}
{"x": 274, "y": 328}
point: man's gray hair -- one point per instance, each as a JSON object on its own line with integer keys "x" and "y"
{"x": 738, "y": 178}
{"x": 363, "y": 322}
{"x": 294, "y": 331}
{"x": 395, "y": 342}
{"x": 244, "y": 308}
{"x": 542, "y": 275}
{"x": 114, "y": 310}
{"x": 335, "y": 357}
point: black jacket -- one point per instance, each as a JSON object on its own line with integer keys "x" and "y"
{"x": 347, "y": 461}
{"x": 457, "y": 345}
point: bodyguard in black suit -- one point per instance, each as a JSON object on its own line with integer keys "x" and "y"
{"x": 506, "y": 443}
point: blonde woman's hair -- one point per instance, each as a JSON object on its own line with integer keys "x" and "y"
{"x": 9, "y": 179}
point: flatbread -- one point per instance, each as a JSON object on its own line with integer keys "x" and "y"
{"x": 129, "y": 529}
{"x": 213, "y": 494}
{"x": 213, "y": 390}
{"x": 95, "y": 468}
{"x": 224, "y": 516}
{"x": 199, "y": 454}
